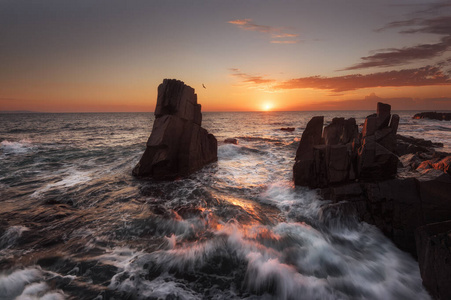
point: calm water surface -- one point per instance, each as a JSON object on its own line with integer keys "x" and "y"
{"x": 74, "y": 223}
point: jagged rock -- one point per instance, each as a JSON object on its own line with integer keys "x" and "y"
{"x": 433, "y": 115}
{"x": 397, "y": 206}
{"x": 341, "y": 156}
{"x": 178, "y": 145}
{"x": 376, "y": 157}
{"x": 433, "y": 243}
{"x": 303, "y": 169}
{"x": 231, "y": 141}
{"x": 340, "y": 131}
{"x": 443, "y": 165}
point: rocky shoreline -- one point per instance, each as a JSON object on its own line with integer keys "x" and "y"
{"x": 433, "y": 116}
{"x": 400, "y": 184}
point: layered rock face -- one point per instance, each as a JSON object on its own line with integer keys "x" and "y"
{"x": 178, "y": 145}
{"x": 338, "y": 154}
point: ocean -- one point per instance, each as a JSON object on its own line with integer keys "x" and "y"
{"x": 75, "y": 224}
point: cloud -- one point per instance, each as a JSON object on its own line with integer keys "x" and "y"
{"x": 370, "y": 101}
{"x": 425, "y": 76}
{"x": 429, "y": 75}
{"x": 273, "y": 32}
{"x": 285, "y": 42}
{"x": 247, "y": 24}
{"x": 393, "y": 57}
{"x": 251, "y": 79}
{"x": 440, "y": 25}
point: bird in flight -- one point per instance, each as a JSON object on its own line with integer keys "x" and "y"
{"x": 203, "y": 86}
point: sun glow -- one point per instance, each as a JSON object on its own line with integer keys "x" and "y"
{"x": 267, "y": 106}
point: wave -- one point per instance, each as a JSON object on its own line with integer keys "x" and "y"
{"x": 27, "y": 284}
{"x": 19, "y": 147}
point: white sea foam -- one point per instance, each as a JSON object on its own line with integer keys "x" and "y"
{"x": 11, "y": 235}
{"x": 22, "y": 146}
{"x": 26, "y": 284}
{"x": 73, "y": 178}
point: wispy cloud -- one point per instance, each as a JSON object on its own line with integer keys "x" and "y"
{"x": 275, "y": 33}
{"x": 440, "y": 25}
{"x": 284, "y": 42}
{"x": 251, "y": 79}
{"x": 425, "y": 76}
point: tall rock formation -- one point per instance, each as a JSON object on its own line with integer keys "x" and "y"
{"x": 359, "y": 174}
{"x": 178, "y": 145}
{"x": 338, "y": 154}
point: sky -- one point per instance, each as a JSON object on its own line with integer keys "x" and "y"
{"x": 105, "y": 56}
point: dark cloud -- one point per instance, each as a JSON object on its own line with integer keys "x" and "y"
{"x": 393, "y": 57}
{"x": 440, "y": 25}
{"x": 425, "y": 76}
{"x": 429, "y": 75}
{"x": 370, "y": 101}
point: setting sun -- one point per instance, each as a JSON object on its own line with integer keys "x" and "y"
{"x": 267, "y": 106}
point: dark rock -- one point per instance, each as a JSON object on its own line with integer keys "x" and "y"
{"x": 406, "y": 145}
{"x": 287, "y": 128}
{"x": 311, "y": 136}
{"x": 443, "y": 165}
{"x": 177, "y": 146}
{"x": 376, "y": 157}
{"x": 383, "y": 115}
{"x": 370, "y": 126}
{"x": 231, "y": 141}
{"x": 433, "y": 243}
{"x": 340, "y": 131}
{"x": 410, "y": 160}
{"x": 433, "y": 116}
{"x": 339, "y": 163}
{"x": 303, "y": 169}
{"x": 419, "y": 195}
{"x": 394, "y": 123}
{"x": 435, "y": 194}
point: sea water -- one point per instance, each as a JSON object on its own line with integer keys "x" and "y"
{"x": 75, "y": 224}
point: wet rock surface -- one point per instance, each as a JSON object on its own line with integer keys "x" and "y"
{"x": 231, "y": 141}
{"x": 178, "y": 145}
{"x": 399, "y": 184}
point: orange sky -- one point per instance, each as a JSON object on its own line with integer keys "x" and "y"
{"x": 325, "y": 55}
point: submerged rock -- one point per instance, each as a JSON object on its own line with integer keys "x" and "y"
{"x": 178, "y": 145}
{"x": 433, "y": 116}
{"x": 231, "y": 141}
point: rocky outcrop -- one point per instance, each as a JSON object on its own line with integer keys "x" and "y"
{"x": 338, "y": 154}
{"x": 407, "y": 197}
{"x": 178, "y": 145}
{"x": 433, "y": 116}
{"x": 406, "y": 145}
{"x": 433, "y": 243}
{"x": 397, "y": 206}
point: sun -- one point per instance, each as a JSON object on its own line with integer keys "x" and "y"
{"x": 267, "y": 106}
